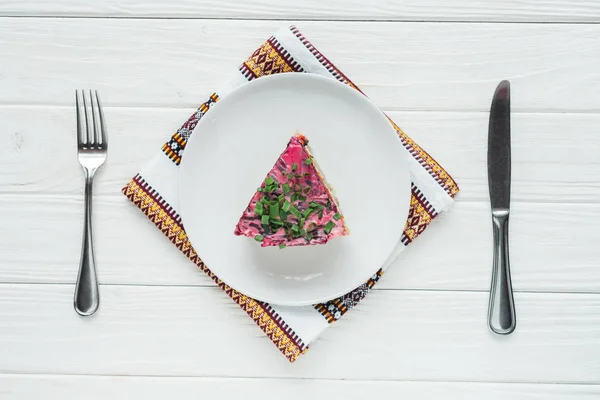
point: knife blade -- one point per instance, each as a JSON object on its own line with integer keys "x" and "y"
{"x": 501, "y": 308}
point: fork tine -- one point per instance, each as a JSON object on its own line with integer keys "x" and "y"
{"x": 96, "y": 138}
{"x": 102, "y": 124}
{"x": 88, "y": 140}
{"x": 80, "y": 135}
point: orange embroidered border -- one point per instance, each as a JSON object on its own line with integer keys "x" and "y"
{"x": 176, "y": 144}
{"x": 435, "y": 170}
{"x": 419, "y": 217}
{"x": 170, "y": 148}
{"x": 336, "y": 308}
{"x": 269, "y": 59}
{"x": 165, "y": 219}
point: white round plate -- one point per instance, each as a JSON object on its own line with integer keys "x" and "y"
{"x": 237, "y": 143}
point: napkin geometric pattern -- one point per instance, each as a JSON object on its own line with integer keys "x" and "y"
{"x": 154, "y": 192}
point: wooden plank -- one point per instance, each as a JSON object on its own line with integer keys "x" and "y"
{"x": 69, "y": 387}
{"x": 406, "y": 10}
{"x": 553, "y": 247}
{"x": 409, "y": 66}
{"x": 554, "y": 155}
{"x": 393, "y": 335}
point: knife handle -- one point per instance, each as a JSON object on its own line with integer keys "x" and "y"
{"x": 501, "y": 310}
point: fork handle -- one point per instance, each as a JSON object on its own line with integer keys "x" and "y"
{"x": 501, "y": 311}
{"x": 87, "y": 298}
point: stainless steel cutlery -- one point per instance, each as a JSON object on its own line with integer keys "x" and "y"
{"x": 501, "y": 310}
{"x": 92, "y": 145}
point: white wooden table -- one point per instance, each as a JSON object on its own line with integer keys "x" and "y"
{"x": 164, "y": 330}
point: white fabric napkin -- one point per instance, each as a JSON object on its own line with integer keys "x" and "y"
{"x": 154, "y": 192}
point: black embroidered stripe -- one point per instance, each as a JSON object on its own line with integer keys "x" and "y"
{"x": 176, "y": 145}
{"x": 336, "y": 308}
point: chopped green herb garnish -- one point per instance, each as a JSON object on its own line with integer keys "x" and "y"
{"x": 264, "y": 220}
{"x": 308, "y": 161}
{"x": 294, "y": 167}
{"x": 314, "y": 204}
{"x": 328, "y": 227}
{"x": 274, "y": 211}
{"x": 302, "y": 232}
{"x": 295, "y": 211}
{"x": 328, "y": 204}
{"x": 301, "y": 223}
{"x": 277, "y": 223}
{"x": 301, "y": 198}
{"x": 259, "y": 238}
{"x": 259, "y": 189}
{"x": 308, "y": 236}
{"x": 294, "y": 197}
{"x": 258, "y": 209}
{"x": 337, "y": 216}
{"x": 269, "y": 181}
{"x": 273, "y": 202}
{"x": 320, "y": 214}
{"x": 282, "y": 215}
{"x": 295, "y": 228}
{"x": 282, "y": 246}
{"x": 286, "y": 188}
{"x": 286, "y": 206}
{"x": 307, "y": 212}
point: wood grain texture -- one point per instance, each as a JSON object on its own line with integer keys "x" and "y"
{"x": 393, "y": 335}
{"x": 553, "y": 247}
{"x": 554, "y": 155}
{"x": 405, "y": 10}
{"x": 61, "y": 387}
{"x": 421, "y": 333}
{"x": 408, "y": 66}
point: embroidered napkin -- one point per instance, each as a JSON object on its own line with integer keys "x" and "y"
{"x": 154, "y": 192}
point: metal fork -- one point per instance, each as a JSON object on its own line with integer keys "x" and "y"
{"x": 91, "y": 152}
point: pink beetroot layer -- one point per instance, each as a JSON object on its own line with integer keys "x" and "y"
{"x": 314, "y": 190}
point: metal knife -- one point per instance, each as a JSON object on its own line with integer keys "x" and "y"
{"x": 501, "y": 310}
